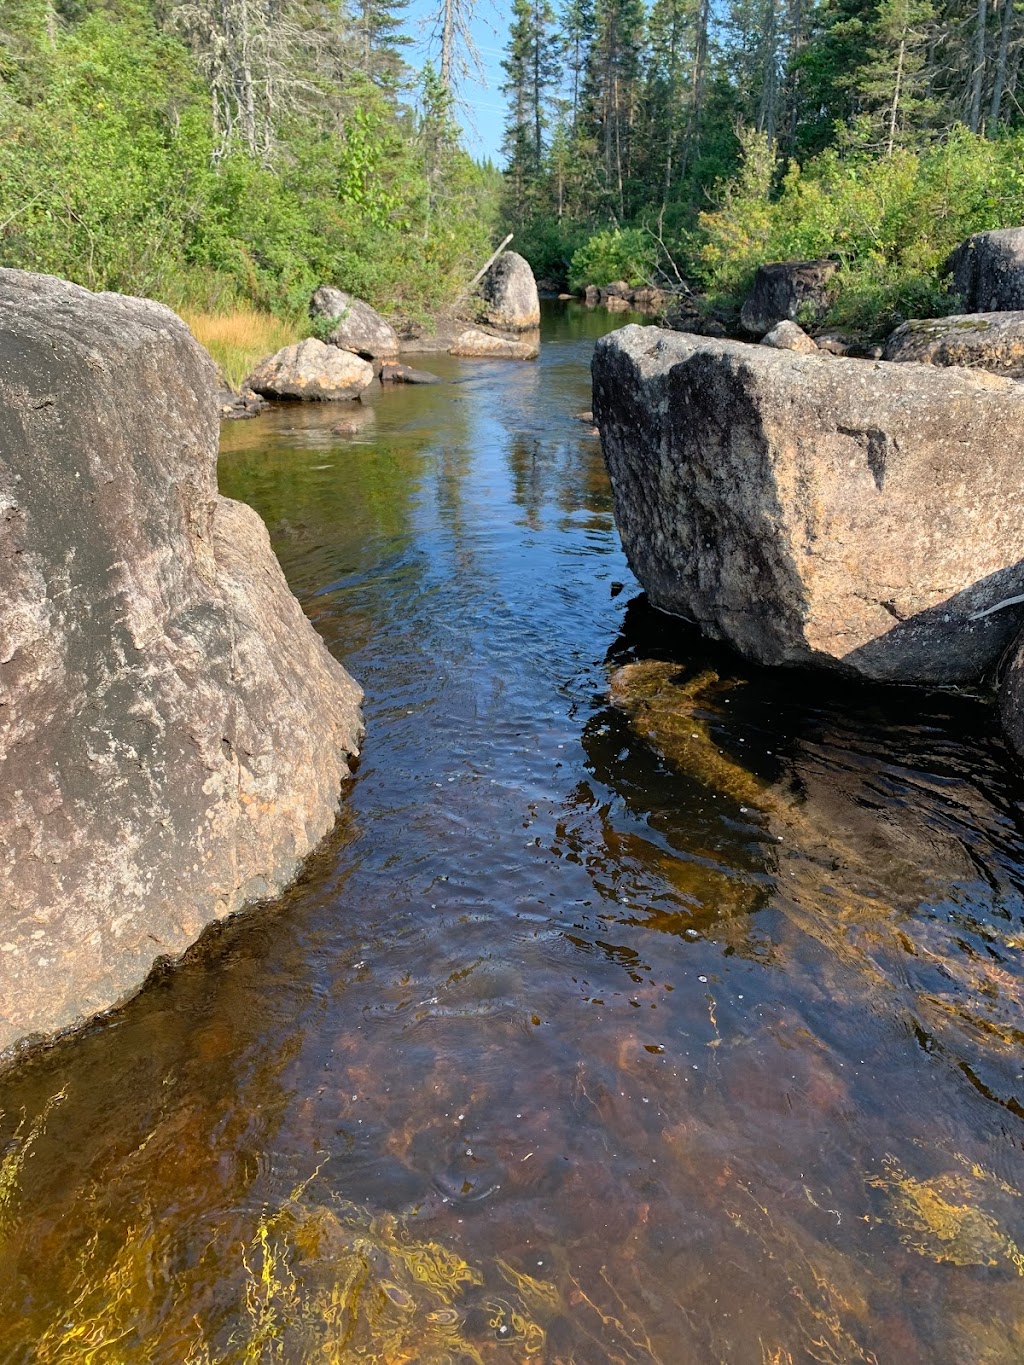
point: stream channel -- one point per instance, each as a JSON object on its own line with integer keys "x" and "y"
{"x": 688, "y": 1034}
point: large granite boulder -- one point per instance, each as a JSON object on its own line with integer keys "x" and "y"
{"x": 312, "y": 370}
{"x": 356, "y": 326}
{"x": 794, "y": 291}
{"x": 850, "y": 513}
{"x": 979, "y": 341}
{"x": 988, "y": 271}
{"x": 510, "y": 296}
{"x": 173, "y": 733}
{"x": 481, "y": 345}
{"x": 1011, "y": 698}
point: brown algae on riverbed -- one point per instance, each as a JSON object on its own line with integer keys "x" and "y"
{"x": 583, "y": 1039}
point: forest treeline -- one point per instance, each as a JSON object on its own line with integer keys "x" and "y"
{"x": 221, "y": 154}
{"x": 695, "y": 140}
{"x": 228, "y": 153}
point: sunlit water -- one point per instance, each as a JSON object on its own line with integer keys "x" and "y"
{"x": 587, "y": 1037}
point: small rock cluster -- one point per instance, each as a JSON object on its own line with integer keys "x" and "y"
{"x": 358, "y": 346}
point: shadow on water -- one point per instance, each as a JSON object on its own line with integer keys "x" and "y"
{"x": 643, "y": 1007}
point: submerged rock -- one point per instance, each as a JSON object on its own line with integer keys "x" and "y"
{"x": 510, "y": 296}
{"x": 312, "y": 370}
{"x": 978, "y": 341}
{"x": 787, "y": 290}
{"x": 855, "y": 514}
{"x": 391, "y": 372}
{"x": 473, "y": 343}
{"x": 173, "y": 733}
{"x": 988, "y": 271}
{"x": 357, "y": 327}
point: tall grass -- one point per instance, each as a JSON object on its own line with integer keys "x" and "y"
{"x": 238, "y": 340}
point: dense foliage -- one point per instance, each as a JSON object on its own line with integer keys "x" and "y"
{"x": 697, "y": 140}
{"x": 220, "y": 153}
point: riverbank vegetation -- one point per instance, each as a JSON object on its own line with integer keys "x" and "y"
{"x": 233, "y": 154}
{"x": 694, "y": 142}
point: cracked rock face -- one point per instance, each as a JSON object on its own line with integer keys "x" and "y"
{"x": 854, "y": 514}
{"x": 173, "y": 733}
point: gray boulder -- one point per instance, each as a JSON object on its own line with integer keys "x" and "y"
{"x": 476, "y": 344}
{"x": 510, "y": 296}
{"x": 358, "y": 327}
{"x": 978, "y": 341}
{"x": 173, "y": 733}
{"x": 854, "y": 514}
{"x": 392, "y": 372}
{"x": 793, "y": 290}
{"x": 787, "y": 336}
{"x": 314, "y": 371}
{"x": 988, "y": 271}
{"x": 1011, "y": 699}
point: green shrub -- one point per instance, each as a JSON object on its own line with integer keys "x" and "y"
{"x": 891, "y": 222}
{"x": 629, "y": 254}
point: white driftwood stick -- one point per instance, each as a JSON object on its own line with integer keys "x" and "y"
{"x": 481, "y": 273}
{"x": 999, "y": 606}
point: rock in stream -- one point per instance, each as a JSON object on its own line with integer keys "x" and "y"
{"x": 173, "y": 733}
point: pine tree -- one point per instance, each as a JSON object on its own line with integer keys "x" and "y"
{"x": 613, "y": 94}
{"x": 379, "y": 32}
{"x": 531, "y": 68}
{"x": 892, "y": 86}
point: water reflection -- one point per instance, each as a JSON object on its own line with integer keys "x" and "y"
{"x": 661, "y": 1015}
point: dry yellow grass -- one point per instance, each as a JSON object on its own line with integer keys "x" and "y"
{"x": 238, "y": 340}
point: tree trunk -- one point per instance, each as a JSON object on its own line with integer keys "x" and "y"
{"x": 999, "y": 84}
{"x": 897, "y": 91}
{"x": 978, "y": 73}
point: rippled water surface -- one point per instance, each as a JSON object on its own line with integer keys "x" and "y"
{"x": 675, "y": 1023}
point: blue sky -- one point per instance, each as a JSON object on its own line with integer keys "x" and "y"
{"x": 482, "y": 112}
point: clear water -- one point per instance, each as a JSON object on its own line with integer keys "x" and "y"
{"x": 683, "y": 1030}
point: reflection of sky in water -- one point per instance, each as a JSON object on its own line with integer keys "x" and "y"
{"x": 688, "y": 1030}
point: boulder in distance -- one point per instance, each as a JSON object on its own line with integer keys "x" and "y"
{"x": 357, "y": 327}
{"x": 787, "y": 336}
{"x": 978, "y": 341}
{"x": 988, "y": 271}
{"x": 793, "y": 290}
{"x": 173, "y": 733}
{"x": 853, "y": 514}
{"x": 510, "y": 296}
{"x": 474, "y": 343}
{"x": 312, "y": 370}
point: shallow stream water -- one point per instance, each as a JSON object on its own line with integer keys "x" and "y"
{"x": 682, "y": 1029}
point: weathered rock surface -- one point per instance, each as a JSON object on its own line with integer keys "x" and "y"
{"x": 787, "y": 336}
{"x": 312, "y": 370}
{"x": 978, "y": 341}
{"x": 358, "y": 327}
{"x": 855, "y": 514}
{"x": 475, "y": 343}
{"x": 988, "y": 271}
{"x": 510, "y": 296}
{"x": 392, "y": 372}
{"x": 793, "y": 290}
{"x": 173, "y": 733}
